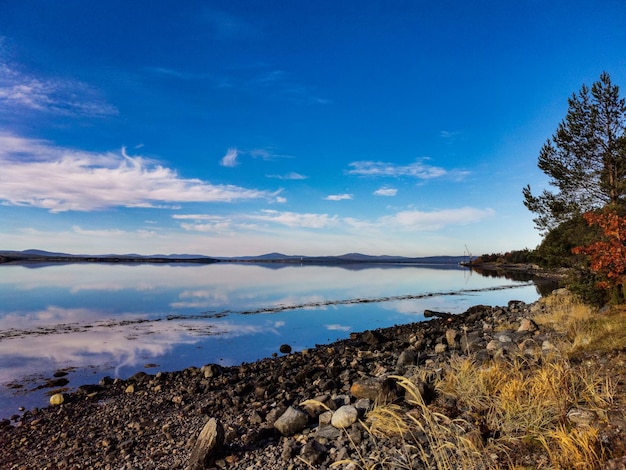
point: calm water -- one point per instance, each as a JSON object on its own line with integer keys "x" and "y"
{"x": 99, "y": 319}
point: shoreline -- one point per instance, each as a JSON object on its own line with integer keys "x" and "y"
{"x": 153, "y": 421}
{"x": 34, "y": 389}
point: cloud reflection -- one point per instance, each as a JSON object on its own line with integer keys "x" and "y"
{"x": 336, "y": 327}
{"x": 86, "y": 344}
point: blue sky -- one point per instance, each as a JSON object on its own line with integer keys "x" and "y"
{"x": 245, "y": 127}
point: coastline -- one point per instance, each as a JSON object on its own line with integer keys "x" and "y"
{"x": 152, "y": 421}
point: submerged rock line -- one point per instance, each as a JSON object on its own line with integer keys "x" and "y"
{"x": 65, "y": 328}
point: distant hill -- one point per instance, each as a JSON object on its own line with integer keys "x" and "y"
{"x": 41, "y": 256}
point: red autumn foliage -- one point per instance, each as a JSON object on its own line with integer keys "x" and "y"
{"x": 608, "y": 256}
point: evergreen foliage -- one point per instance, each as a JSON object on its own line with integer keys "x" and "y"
{"x": 585, "y": 159}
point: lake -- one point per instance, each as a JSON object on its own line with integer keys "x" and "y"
{"x": 92, "y": 320}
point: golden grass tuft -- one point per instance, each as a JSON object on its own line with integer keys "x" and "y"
{"x": 574, "y": 448}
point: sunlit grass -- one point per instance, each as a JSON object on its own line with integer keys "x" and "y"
{"x": 587, "y": 329}
{"x": 519, "y": 405}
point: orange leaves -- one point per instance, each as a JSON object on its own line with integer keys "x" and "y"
{"x": 608, "y": 255}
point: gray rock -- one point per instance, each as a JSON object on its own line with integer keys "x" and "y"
{"x": 291, "y": 421}
{"x": 504, "y": 338}
{"x": 363, "y": 405}
{"x": 285, "y": 348}
{"x": 327, "y": 432}
{"x": 274, "y": 414}
{"x": 313, "y": 453}
{"x": 209, "y": 441}
{"x": 344, "y": 417}
{"x": 211, "y": 370}
{"x": 408, "y": 357}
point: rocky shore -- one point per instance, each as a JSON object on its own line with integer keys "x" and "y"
{"x": 301, "y": 410}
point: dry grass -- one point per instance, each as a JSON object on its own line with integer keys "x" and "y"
{"x": 587, "y": 329}
{"x": 523, "y": 405}
{"x": 428, "y": 437}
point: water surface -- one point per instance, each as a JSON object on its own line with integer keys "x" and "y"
{"x": 92, "y": 320}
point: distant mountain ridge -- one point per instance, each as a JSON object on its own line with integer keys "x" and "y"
{"x": 35, "y": 255}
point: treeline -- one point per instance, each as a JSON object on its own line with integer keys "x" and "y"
{"x": 525, "y": 256}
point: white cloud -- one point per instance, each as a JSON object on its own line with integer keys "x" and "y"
{"x": 384, "y": 191}
{"x": 426, "y": 221}
{"x": 60, "y": 179}
{"x": 230, "y": 159}
{"x": 210, "y": 227}
{"x": 294, "y": 219}
{"x": 215, "y": 224}
{"x": 21, "y": 91}
{"x": 338, "y": 197}
{"x": 195, "y": 217}
{"x": 337, "y": 327}
{"x": 289, "y": 176}
{"x": 418, "y": 170}
{"x": 449, "y": 134}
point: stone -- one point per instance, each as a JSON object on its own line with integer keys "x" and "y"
{"x": 211, "y": 370}
{"x": 527, "y": 326}
{"x": 344, "y": 417}
{"x": 313, "y": 453}
{"x": 291, "y": 421}
{"x": 372, "y": 337}
{"x": 581, "y": 417}
{"x": 130, "y": 389}
{"x": 289, "y": 449}
{"x": 408, "y": 357}
{"x": 208, "y": 443}
{"x": 317, "y": 405}
{"x": 366, "y": 388}
{"x": 285, "y": 348}
{"x": 451, "y": 336}
{"x": 440, "y": 348}
{"x": 548, "y": 347}
{"x": 363, "y": 405}
{"x": 504, "y": 338}
{"x": 530, "y": 347}
{"x": 57, "y": 399}
{"x": 327, "y": 432}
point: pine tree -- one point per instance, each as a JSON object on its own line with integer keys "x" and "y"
{"x": 585, "y": 159}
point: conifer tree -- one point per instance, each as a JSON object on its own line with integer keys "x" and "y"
{"x": 585, "y": 159}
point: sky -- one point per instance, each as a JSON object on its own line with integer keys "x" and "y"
{"x": 229, "y": 128}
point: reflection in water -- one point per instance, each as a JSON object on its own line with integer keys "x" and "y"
{"x": 109, "y": 347}
{"x": 113, "y": 320}
{"x": 544, "y": 286}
